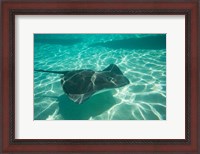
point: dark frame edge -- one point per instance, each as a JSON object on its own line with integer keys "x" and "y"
{"x": 1, "y": 106}
{"x": 198, "y": 49}
{"x": 15, "y": 141}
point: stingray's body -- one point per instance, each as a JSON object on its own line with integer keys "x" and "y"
{"x": 80, "y": 85}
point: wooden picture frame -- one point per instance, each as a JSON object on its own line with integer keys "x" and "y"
{"x": 188, "y": 8}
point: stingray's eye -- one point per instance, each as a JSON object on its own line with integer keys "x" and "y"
{"x": 114, "y": 80}
{"x": 109, "y": 78}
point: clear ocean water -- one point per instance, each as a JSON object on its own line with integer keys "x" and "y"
{"x": 141, "y": 58}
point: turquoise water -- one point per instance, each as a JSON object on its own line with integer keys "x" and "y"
{"x": 141, "y": 58}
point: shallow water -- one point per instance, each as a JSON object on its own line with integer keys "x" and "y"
{"x": 141, "y": 58}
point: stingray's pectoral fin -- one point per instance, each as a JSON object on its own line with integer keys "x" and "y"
{"x": 79, "y": 98}
{"x": 113, "y": 68}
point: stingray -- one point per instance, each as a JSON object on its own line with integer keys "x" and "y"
{"x": 80, "y": 85}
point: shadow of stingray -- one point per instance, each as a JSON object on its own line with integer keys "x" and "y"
{"x": 148, "y": 42}
{"x": 94, "y": 106}
{"x": 57, "y": 41}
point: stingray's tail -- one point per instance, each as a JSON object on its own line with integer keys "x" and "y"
{"x": 56, "y": 72}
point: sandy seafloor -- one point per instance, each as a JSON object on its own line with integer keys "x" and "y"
{"x": 141, "y": 57}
